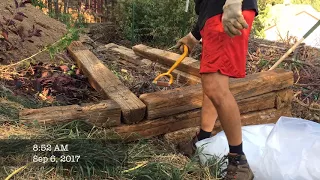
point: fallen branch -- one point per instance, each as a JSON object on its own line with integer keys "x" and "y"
{"x": 305, "y": 105}
{"x": 275, "y": 47}
{"x": 299, "y": 62}
{"x": 296, "y": 84}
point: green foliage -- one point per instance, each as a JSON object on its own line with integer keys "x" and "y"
{"x": 38, "y": 3}
{"x": 156, "y": 22}
{"x": 18, "y": 99}
{"x": 216, "y": 166}
{"x": 259, "y": 22}
{"x": 74, "y": 26}
{"x": 9, "y": 111}
{"x": 264, "y": 2}
{"x": 72, "y": 35}
{"x": 264, "y": 7}
{"x": 314, "y": 3}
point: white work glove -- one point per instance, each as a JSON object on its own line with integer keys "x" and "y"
{"x": 189, "y": 40}
{"x": 232, "y": 18}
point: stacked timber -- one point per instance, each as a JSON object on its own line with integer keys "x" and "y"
{"x": 262, "y": 97}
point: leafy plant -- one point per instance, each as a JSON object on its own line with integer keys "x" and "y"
{"x": 65, "y": 41}
{"x": 74, "y": 26}
{"x": 259, "y": 21}
{"x": 38, "y": 3}
{"x": 156, "y": 22}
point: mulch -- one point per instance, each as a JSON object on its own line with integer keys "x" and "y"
{"x": 53, "y": 84}
{"x": 305, "y": 64}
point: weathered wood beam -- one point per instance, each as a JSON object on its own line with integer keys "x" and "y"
{"x": 165, "y": 103}
{"x": 129, "y": 55}
{"x": 188, "y": 65}
{"x": 283, "y": 100}
{"x": 125, "y": 53}
{"x": 107, "y": 113}
{"x": 153, "y": 128}
{"x": 107, "y": 83}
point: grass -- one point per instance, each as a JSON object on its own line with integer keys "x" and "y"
{"x": 99, "y": 157}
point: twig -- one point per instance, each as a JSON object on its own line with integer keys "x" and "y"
{"x": 34, "y": 55}
{"x": 297, "y": 93}
{"x": 275, "y": 47}
{"x": 250, "y": 56}
{"x": 297, "y": 61}
{"x": 305, "y": 105}
{"x": 297, "y": 71}
{"x": 307, "y": 84}
{"x": 308, "y": 95}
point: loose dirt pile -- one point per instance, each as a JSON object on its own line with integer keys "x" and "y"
{"x": 25, "y": 31}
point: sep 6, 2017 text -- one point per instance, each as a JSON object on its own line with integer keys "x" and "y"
{"x": 56, "y": 159}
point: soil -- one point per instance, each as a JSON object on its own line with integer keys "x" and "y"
{"x": 44, "y": 82}
{"x": 14, "y": 48}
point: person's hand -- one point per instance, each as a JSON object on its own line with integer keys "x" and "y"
{"x": 232, "y": 18}
{"x": 189, "y": 40}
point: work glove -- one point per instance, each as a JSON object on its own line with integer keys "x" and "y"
{"x": 189, "y": 40}
{"x": 232, "y": 18}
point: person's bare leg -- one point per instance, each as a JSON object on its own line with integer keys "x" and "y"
{"x": 216, "y": 87}
{"x": 208, "y": 114}
{"x": 208, "y": 118}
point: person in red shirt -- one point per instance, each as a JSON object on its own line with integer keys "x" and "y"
{"x": 224, "y": 27}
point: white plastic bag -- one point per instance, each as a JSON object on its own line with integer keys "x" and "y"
{"x": 289, "y": 150}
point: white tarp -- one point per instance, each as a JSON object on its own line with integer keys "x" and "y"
{"x": 287, "y": 150}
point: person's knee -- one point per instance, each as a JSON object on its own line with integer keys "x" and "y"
{"x": 216, "y": 90}
{"x": 217, "y": 95}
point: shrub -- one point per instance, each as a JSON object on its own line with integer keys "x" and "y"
{"x": 258, "y": 26}
{"x": 158, "y": 23}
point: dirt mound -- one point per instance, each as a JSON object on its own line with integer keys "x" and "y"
{"x": 25, "y": 30}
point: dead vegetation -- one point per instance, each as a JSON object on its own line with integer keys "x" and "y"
{"x": 52, "y": 83}
{"x": 41, "y": 83}
{"x": 137, "y": 78}
{"x": 304, "y": 62}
